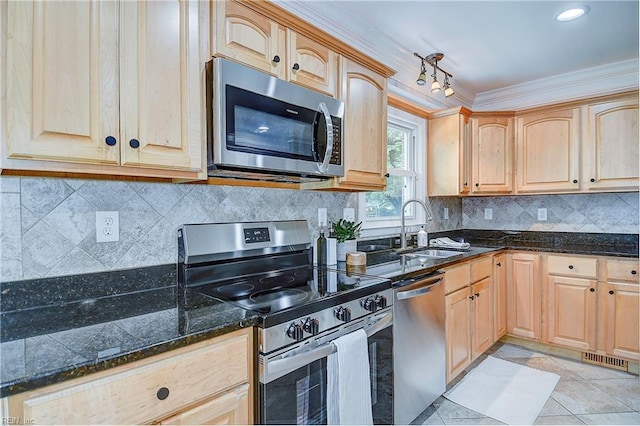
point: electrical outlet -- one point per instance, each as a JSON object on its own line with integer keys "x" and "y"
{"x": 322, "y": 216}
{"x": 488, "y": 214}
{"x": 107, "y": 227}
{"x": 446, "y": 213}
{"x": 349, "y": 213}
{"x": 542, "y": 214}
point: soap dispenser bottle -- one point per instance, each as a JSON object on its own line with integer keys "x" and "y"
{"x": 423, "y": 237}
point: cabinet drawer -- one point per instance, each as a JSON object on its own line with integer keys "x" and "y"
{"x": 572, "y": 266}
{"x": 481, "y": 268}
{"x": 621, "y": 270}
{"x": 457, "y": 277}
{"x": 132, "y": 396}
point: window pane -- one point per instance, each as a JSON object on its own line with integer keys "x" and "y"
{"x": 386, "y": 204}
{"x": 396, "y": 148}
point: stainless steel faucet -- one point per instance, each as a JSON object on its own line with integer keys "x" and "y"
{"x": 403, "y": 231}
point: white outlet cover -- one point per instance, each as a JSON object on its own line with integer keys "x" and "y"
{"x": 488, "y": 214}
{"x": 446, "y": 213}
{"x": 322, "y": 216}
{"x": 107, "y": 226}
{"x": 542, "y": 214}
{"x": 349, "y": 213}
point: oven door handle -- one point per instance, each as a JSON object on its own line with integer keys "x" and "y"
{"x": 287, "y": 363}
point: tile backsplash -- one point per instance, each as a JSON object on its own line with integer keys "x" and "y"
{"x": 606, "y": 213}
{"x": 48, "y": 225}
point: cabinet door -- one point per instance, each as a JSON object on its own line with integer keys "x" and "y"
{"x": 491, "y": 154}
{"x": 611, "y": 160}
{"x": 161, "y": 85}
{"x": 62, "y": 91}
{"x": 248, "y": 37}
{"x": 482, "y": 318}
{"x": 312, "y": 64}
{"x": 547, "y": 152}
{"x": 448, "y": 153}
{"x": 500, "y": 296}
{"x": 523, "y": 295}
{"x": 458, "y": 332}
{"x": 619, "y": 326}
{"x": 571, "y": 312}
{"x": 365, "y": 127}
{"x": 230, "y": 408}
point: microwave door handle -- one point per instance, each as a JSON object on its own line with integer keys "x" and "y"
{"x": 322, "y": 167}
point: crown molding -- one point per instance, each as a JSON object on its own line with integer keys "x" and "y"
{"x": 597, "y": 81}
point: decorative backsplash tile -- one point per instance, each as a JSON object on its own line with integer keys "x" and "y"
{"x": 48, "y": 225}
{"x": 608, "y": 213}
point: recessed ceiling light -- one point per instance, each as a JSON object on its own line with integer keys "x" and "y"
{"x": 573, "y": 13}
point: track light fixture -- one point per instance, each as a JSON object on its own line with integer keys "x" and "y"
{"x": 435, "y": 84}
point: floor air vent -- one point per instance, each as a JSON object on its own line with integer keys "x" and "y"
{"x": 605, "y": 361}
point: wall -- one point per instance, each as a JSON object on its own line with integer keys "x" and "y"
{"x": 48, "y": 225}
{"x": 607, "y": 212}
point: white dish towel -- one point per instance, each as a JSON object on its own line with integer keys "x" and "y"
{"x": 348, "y": 382}
{"x": 446, "y": 242}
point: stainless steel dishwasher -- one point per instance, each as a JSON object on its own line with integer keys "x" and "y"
{"x": 419, "y": 358}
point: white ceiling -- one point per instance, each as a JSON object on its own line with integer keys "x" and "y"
{"x": 499, "y": 52}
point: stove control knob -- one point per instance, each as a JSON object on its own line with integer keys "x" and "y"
{"x": 296, "y": 332}
{"x": 381, "y": 301}
{"x": 343, "y": 314}
{"x": 311, "y": 325}
{"x": 369, "y": 304}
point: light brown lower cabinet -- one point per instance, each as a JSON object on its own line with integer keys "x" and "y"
{"x": 500, "y": 296}
{"x": 524, "y": 295}
{"x": 619, "y": 322}
{"x": 586, "y": 303}
{"x": 458, "y": 332}
{"x": 571, "y": 312}
{"x": 231, "y": 408}
{"x": 470, "y": 310}
{"x": 205, "y": 382}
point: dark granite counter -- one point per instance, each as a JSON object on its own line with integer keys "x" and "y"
{"x": 57, "y": 329}
{"x": 383, "y": 250}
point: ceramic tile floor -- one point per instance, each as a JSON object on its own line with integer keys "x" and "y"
{"x": 585, "y": 393}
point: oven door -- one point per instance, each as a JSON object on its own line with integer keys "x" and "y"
{"x": 299, "y": 395}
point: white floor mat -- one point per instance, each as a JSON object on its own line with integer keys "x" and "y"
{"x": 511, "y": 393}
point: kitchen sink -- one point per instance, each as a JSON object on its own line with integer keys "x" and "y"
{"x": 433, "y": 254}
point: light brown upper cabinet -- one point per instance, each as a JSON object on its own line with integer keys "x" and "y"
{"x": 547, "y": 151}
{"x": 94, "y": 86}
{"x": 448, "y": 153}
{"x": 365, "y": 96}
{"x": 491, "y": 154}
{"x": 249, "y": 37}
{"x": 611, "y": 145}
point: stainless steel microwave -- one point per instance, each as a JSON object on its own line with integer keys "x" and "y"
{"x": 260, "y": 125}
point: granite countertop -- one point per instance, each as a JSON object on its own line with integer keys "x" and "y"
{"x": 55, "y": 329}
{"x": 61, "y": 328}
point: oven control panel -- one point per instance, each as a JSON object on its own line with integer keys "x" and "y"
{"x": 308, "y": 326}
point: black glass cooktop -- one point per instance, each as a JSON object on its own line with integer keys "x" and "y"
{"x": 277, "y": 291}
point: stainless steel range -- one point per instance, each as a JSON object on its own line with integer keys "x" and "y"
{"x": 266, "y": 268}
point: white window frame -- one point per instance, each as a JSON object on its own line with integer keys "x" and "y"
{"x": 418, "y": 128}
